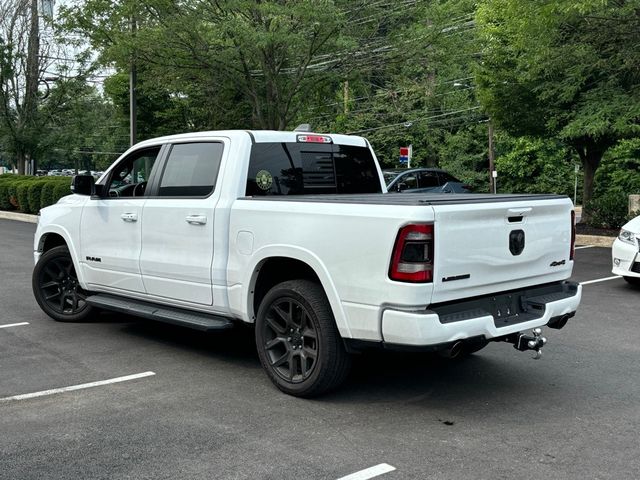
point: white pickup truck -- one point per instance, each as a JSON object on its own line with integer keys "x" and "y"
{"x": 295, "y": 233}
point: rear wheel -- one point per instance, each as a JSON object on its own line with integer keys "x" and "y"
{"x": 297, "y": 340}
{"x": 56, "y": 288}
{"x": 635, "y": 281}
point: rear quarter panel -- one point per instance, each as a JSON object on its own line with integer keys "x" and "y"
{"x": 348, "y": 245}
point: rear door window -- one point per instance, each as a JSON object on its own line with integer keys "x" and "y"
{"x": 191, "y": 170}
{"x": 307, "y": 168}
{"x": 428, "y": 179}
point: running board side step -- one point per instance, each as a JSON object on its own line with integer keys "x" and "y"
{"x": 184, "y": 318}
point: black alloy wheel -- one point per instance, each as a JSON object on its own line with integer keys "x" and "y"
{"x": 298, "y": 342}
{"x": 291, "y": 340}
{"x": 56, "y": 288}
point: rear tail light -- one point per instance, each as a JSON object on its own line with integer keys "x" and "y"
{"x": 412, "y": 259}
{"x": 573, "y": 235}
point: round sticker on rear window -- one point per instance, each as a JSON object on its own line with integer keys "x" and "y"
{"x": 264, "y": 180}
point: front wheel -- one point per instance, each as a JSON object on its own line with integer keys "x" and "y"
{"x": 297, "y": 340}
{"x": 55, "y": 286}
{"x": 635, "y": 281}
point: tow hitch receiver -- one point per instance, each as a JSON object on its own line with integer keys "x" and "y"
{"x": 524, "y": 342}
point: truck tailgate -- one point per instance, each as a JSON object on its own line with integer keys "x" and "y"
{"x": 492, "y": 247}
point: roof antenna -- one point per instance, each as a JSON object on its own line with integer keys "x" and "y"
{"x": 303, "y": 127}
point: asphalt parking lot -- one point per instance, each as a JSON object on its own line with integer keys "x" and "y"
{"x": 205, "y": 409}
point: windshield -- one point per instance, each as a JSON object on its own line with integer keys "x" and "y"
{"x": 311, "y": 168}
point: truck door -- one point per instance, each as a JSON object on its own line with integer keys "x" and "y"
{"x": 110, "y": 233}
{"x": 178, "y": 221}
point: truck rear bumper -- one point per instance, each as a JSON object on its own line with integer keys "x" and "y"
{"x": 490, "y": 316}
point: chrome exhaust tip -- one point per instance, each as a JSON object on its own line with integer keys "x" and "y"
{"x": 454, "y": 350}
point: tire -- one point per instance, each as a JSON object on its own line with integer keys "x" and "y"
{"x": 635, "y": 281}
{"x": 297, "y": 340}
{"x": 55, "y": 286}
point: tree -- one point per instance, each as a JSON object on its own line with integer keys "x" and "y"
{"x": 564, "y": 69}
{"x": 80, "y": 127}
{"x": 20, "y": 73}
{"x": 265, "y": 55}
{"x": 29, "y": 68}
{"x": 415, "y": 87}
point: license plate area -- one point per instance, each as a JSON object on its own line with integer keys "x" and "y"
{"x": 506, "y": 308}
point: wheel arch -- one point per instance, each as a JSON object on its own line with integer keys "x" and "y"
{"x": 275, "y": 266}
{"x": 49, "y": 241}
{"x": 57, "y": 236}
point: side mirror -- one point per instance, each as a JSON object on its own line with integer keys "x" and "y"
{"x": 401, "y": 187}
{"x": 83, "y": 184}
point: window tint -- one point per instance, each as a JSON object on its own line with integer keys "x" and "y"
{"x": 129, "y": 178}
{"x": 307, "y": 168}
{"x": 445, "y": 178}
{"x": 191, "y": 170}
{"x": 410, "y": 181}
{"x": 428, "y": 179}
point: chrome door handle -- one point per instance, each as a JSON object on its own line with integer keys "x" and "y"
{"x": 196, "y": 219}
{"x": 129, "y": 217}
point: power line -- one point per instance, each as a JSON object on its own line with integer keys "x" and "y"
{"x": 410, "y": 122}
{"x": 399, "y": 91}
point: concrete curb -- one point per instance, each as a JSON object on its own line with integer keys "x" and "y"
{"x": 20, "y": 217}
{"x": 595, "y": 240}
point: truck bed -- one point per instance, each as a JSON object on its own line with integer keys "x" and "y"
{"x": 410, "y": 199}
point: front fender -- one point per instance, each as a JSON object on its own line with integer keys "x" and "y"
{"x": 62, "y": 219}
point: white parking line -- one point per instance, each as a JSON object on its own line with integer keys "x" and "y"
{"x": 14, "y": 324}
{"x": 600, "y": 280}
{"x": 583, "y": 246}
{"x": 77, "y": 387}
{"x": 370, "y": 472}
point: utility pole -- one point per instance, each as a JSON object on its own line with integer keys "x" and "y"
{"x": 133, "y": 79}
{"x": 492, "y": 166}
{"x": 346, "y": 96}
{"x": 31, "y": 83}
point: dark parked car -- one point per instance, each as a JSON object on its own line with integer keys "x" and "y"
{"x": 418, "y": 180}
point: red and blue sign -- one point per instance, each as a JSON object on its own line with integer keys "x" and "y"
{"x": 404, "y": 154}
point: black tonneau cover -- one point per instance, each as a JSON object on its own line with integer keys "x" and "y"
{"x": 411, "y": 199}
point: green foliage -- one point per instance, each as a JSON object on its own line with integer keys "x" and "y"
{"x": 243, "y": 56}
{"x": 534, "y": 165}
{"x": 80, "y": 121}
{"x": 61, "y": 190}
{"x": 558, "y": 78}
{"x": 616, "y": 179}
{"x": 22, "y": 196}
{"x": 562, "y": 68}
{"x": 46, "y": 194}
{"x": 620, "y": 169}
{"x": 4, "y": 197}
{"x": 463, "y": 153}
{"x": 33, "y": 196}
{"x": 30, "y": 194}
{"x": 610, "y": 210}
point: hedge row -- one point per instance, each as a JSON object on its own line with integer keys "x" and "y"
{"x": 29, "y": 194}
